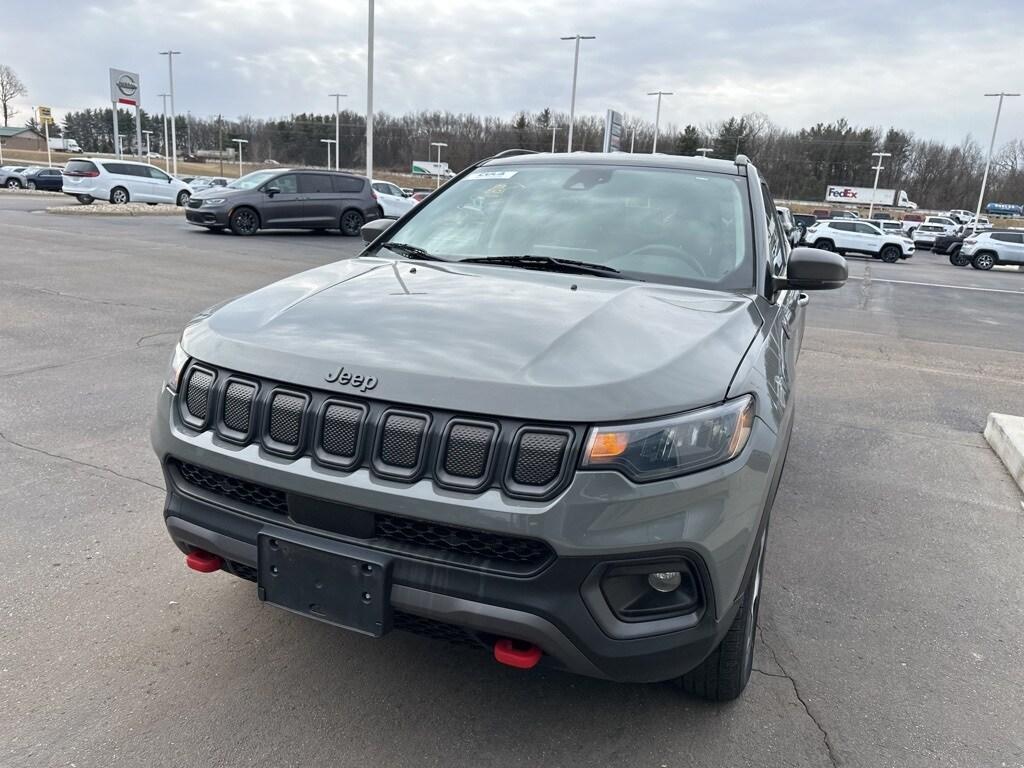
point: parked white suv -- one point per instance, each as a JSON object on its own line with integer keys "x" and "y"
{"x": 986, "y": 249}
{"x": 925, "y": 234}
{"x": 122, "y": 181}
{"x": 393, "y": 201}
{"x": 960, "y": 216}
{"x": 859, "y": 237}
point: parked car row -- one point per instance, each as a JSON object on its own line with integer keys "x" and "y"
{"x": 30, "y": 177}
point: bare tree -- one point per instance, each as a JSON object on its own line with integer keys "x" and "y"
{"x": 11, "y": 88}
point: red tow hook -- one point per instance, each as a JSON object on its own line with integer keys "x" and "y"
{"x": 513, "y": 653}
{"x": 204, "y": 562}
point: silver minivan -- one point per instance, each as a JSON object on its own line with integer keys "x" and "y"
{"x": 122, "y": 181}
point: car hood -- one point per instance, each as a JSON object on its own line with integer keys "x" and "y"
{"x": 486, "y": 339}
{"x": 203, "y": 192}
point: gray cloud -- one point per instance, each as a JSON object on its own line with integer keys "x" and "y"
{"x": 917, "y": 65}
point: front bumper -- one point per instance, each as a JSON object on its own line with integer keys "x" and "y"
{"x": 711, "y": 520}
{"x": 207, "y": 217}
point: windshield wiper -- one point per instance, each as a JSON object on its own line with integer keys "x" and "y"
{"x": 549, "y": 264}
{"x": 412, "y": 252}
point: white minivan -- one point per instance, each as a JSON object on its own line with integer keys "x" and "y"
{"x": 122, "y": 181}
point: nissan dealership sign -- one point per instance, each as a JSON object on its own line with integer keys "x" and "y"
{"x": 124, "y": 87}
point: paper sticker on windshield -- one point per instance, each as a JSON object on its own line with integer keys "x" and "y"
{"x": 492, "y": 174}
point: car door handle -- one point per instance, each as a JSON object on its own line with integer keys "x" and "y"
{"x": 802, "y": 300}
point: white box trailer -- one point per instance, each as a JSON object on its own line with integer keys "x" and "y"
{"x": 428, "y": 168}
{"x": 897, "y": 198}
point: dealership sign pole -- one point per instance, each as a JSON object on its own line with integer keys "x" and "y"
{"x": 46, "y": 117}
{"x": 124, "y": 89}
{"x": 878, "y": 170}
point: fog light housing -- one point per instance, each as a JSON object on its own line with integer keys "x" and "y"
{"x": 665, "y": 581}
{"x": 646, "y": 591}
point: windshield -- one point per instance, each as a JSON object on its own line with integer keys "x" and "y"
{"x": 250, "y": 180}
{"x": 662, "y": 225}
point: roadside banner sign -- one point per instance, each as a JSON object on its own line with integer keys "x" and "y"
{"x": 613, "y": 131}
{"x": 124, "y": 87}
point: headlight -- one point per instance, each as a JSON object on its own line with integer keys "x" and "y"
{"x": 210, "y": 202}
{"x": 674, "y": 446}
{"x": 178, "y": 361}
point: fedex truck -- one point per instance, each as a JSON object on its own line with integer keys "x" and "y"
{"x": 897, "y": 198}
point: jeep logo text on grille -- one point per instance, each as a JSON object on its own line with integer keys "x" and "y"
{"x": 347, "y": 379}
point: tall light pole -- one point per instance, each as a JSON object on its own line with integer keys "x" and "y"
{"x": 328, "y": 142}
{"x": 147, "y": 134}
{"x": 337, "y": 129}
{"x": 988, "y": 161}
{"x": 704, "y": 151}
{"x": 167, "y": 157}
{"x": 438, "y": 144}
{"x": 369, "y": 94}
{"x": 878, "y": 170}
{"x": 554, "y": 132}
{"x": 657, "y": 116}
{"x": 575, "y": 70}
{"x": 632, "y": 139}
{"x": 170, "y": 54}
{"x": 241, "y": 143}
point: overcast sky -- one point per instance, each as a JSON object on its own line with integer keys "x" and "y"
{"x": 917, "y": 64}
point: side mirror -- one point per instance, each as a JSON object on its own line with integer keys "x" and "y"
{"x": 371, "y": 230}
{"x": 271, "y": 191}
{"x": 812, "y": 269}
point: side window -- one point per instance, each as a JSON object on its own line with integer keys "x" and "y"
{"x": 288, "y": 184}
{"x": 382, "y": 188}
{"x": 157, "y": 174}
{"x": 1018, "y": 239}
{"x": 866, "y": 229}
{"x": 314, "y": 183}
{"x": 347, "y": 184}
{"x": 776, "y": 240}
{"x": 393, "y": 190}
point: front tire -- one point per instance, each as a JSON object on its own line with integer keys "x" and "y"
{"x": 119, "y": 196}
{"x": 983, "y": 261}
{"x": 183, "y": 198}
{"x": 84, "y": 199}
{"x": 890, "y": 254}
{"x": 244, "y": 221}
{"x": 957, "y": 259}
{"x": 351, "y": 222}
{"x": 13, "y": 183}
{"x": 724, "y": 674}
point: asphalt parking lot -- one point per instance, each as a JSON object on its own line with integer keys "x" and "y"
{"x": 892, "y": 619}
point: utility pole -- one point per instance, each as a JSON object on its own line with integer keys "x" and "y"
{"x": 337, "y": 129}
{"x": 148, "y": 134}
{"x": 575, "y": 70}
{"x": 167, "y": 157}
{"x": 988, "y": 161}
{"x": 369, "y": 94}
{"x": 241, "y": 143}
{"x": 878, "y": 170}
{"x": 170, "y": 54}
{"x": 220, "y": 141}
{"x": 657, "y": 116}
{"x": 554, "y": 131}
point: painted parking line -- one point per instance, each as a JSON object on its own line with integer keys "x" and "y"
{"x": 874, "y": 279}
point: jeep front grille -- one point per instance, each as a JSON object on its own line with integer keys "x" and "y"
{"x": 456, "y": 451}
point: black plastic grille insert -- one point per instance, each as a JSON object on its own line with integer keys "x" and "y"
{"x": 402, "y": 440}
{"x": 197, "y": 393}
{"x": 468, "y": 450}
{"x": 238, "y": 399}
{"x": 253, "y": 494}
{"x": 341, "y": 430}
{"x": 539, "y": 458}
{"x": 286, "y": 412}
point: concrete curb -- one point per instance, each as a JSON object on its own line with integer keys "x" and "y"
{"x": 129, "y": 209}
{"x": 1006, "y": 436}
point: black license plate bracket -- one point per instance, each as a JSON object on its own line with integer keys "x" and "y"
{"x": 326, "y": 580}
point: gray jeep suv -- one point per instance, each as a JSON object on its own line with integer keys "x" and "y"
{"x": 544, "y": 414}
{"x": 289, "y": 198}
